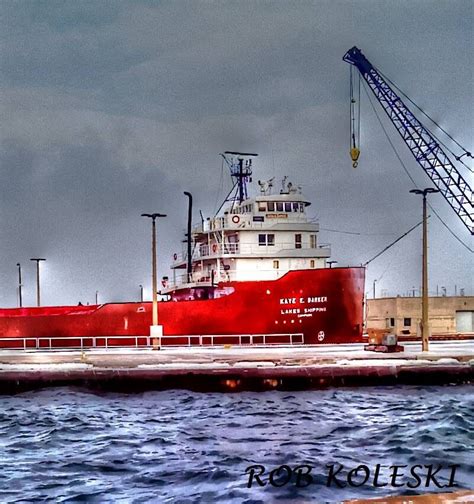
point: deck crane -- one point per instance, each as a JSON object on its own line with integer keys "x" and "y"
{"x": 424, "y": 147}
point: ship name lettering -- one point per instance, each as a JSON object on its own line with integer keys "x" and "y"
{"x": 288, "y": 301}
{"x": 322, "y": 299}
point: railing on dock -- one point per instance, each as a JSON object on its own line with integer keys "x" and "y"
{"x": 106, "y": 342}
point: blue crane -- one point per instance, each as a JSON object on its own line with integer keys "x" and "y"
{"x": 424, "y": 147}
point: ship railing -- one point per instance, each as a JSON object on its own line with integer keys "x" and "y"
{"x": 114, "y": 342}
{"x": 219, "y": 249}
{"x": 224, "y": 275}
{"x": 230, "y": 249}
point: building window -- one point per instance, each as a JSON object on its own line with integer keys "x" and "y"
{"x": 279, "y": 206}
{"x": 312, "y": 241}
{"x": 407, "y": 322}
{"x": 271, "y": 206}
{"x": 312, "y": 263}
{"x": 389, "y": 322}
{"x": 298, "y": 241}
{"x": 266, "y": 240}
{"x": 276, "y": 264}
{"x": 262, "y": 206}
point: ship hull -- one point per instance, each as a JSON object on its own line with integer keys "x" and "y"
{"x": 322, "y": 305}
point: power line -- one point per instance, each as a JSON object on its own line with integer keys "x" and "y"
{"x": 355, "y": 232}
{"x": 393, "y": 243}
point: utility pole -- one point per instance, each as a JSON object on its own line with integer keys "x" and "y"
{"x": 156, "y": 331}
{"x": 38, "y": 293}
{"x": 20, "y": 286}
{"x": 425, "y": 330}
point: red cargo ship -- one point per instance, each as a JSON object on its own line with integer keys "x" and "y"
{"x": 253, "y": 274}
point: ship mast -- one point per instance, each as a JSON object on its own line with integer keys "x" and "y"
{"x": 240, "y": 165}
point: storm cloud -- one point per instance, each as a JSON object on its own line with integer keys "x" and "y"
{"x": 114, "y": 108}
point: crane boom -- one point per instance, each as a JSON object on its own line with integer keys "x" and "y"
{"x": 424, "y": 147}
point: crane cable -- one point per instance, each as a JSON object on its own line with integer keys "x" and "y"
{"x": 354, "y": 131}
{"x": 458, "y": 158}
{"x": 408, "y": 173}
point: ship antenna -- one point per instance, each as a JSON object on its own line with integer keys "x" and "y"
{"x": 240, "y": 165}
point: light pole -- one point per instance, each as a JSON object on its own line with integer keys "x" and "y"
{"x": 141, "y": 293}
{"x": 38, "y": 293}
{"x": 156, "y": 331}
{"x": 20, "y": 297}
{"x": 425, "y": 332}
{"x": 331, "y": 263}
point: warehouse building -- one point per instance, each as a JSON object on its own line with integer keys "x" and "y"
{"x": 402, "y": 315}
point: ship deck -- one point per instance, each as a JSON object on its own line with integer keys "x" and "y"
{"x": 237, "y": 368}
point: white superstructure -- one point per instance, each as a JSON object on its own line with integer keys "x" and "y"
{"x": 259, "y": 238}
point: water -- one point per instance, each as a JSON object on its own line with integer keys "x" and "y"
{"x": 71, "y": 445}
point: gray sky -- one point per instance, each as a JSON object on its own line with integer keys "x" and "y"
{"x": 114, "y": 108}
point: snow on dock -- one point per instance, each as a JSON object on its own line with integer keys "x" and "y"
{"x": 236, "y": 368}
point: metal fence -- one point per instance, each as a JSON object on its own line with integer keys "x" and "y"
{"x": 107, "y": 342}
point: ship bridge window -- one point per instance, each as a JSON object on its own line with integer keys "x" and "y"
{"x": 262, "y": 206}
{"x": 301, "y": 207}
{"x": 265, "y": 240}
{"x": 279, "y": 206}
{"x": 287, "y": 207}
{"x": 312, "y": 241}
{"x": 271, "y": 206}
{"x": 295, "y": 206}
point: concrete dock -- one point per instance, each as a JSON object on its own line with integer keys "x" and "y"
{"x": 236, "y": 368}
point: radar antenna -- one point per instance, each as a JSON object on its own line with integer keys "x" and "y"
{"x": 240, "y": 165}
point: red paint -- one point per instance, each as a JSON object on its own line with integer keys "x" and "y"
{"x": 252, "y": 308}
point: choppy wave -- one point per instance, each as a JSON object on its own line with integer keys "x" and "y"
{"x": 69, "y": 445}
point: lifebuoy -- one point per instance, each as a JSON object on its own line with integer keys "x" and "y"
{"x": 235, "y": 219}
{"x": 175, "y": 256}
{"x": 214, "y": 247}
